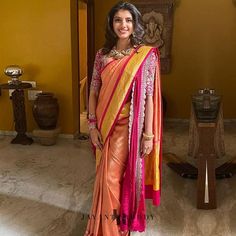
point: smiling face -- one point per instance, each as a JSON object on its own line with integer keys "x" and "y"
{"x": 123, "y": 24}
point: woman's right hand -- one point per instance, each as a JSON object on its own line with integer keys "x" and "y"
{"x": 96, "y": 138}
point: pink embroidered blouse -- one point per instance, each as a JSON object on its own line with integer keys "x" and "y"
{"x": 101, "y": 61}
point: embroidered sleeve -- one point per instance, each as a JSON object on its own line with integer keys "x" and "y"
{"x": 96, "y": 77}
{"x": 150, "y": 73}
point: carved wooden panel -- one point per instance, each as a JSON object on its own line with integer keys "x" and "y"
{"x": 158, "y": 24}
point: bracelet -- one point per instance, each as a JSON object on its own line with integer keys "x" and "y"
{"x": 92, "y": 126}
{"x": 92, "y": 123}
{"x": 92, "y": 120}
{"x": 92, "y": 116}
{"x": 148, "y": 136}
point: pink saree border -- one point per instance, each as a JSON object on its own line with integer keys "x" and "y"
{"x": 150, "y": 193}
{"x": 161, "y": 118}
{"x": 128, "y": 210}
{"x": 131, "y": 212}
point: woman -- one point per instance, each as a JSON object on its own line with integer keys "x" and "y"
{"x": 125, "y": 126}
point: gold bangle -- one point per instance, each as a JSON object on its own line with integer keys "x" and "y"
{"x": 148, "y": 136}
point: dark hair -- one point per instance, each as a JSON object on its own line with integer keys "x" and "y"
{"x": 111, "y": 37}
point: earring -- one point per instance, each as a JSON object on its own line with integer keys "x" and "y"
{"x": 133, "y": 34}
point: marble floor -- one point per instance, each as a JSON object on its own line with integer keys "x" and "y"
{"x": 47, "y": 190}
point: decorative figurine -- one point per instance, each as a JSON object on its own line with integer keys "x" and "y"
{"x": 14, "y": 71}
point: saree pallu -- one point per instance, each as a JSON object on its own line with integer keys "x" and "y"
{"x": 143, "y": 175}
{"x": 121, "y": 175}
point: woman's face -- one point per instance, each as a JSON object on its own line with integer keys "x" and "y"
{"x": 123, "y": 24}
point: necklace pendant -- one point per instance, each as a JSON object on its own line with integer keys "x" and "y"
{"x": 118, "y": 55}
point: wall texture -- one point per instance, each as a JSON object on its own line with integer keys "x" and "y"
{"x": 203, "y": 52}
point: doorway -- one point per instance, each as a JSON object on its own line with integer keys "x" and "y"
{"x": 85, "y": 58}
{"x": 83, "y": 71}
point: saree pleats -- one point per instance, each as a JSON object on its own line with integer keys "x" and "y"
{"x": 104, "y": 216}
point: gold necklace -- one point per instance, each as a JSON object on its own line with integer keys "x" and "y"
{"x": 119, "y": 54}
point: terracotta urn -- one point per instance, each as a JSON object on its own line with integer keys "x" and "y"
{"x": 46, "y": 111}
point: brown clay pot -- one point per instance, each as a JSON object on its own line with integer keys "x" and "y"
{"x": 46, "y": 111}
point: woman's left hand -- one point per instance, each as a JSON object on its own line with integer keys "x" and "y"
{"x": 146, "y": 147}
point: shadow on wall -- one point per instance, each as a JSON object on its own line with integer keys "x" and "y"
{"x": 177, "y": 3}
{"x": 32, "y": 70}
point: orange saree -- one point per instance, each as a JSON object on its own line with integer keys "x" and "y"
{"x": 119, "y": 190}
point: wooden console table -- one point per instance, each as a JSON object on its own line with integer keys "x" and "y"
{"x": 18, "y": 103}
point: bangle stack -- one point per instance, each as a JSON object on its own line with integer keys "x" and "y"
{"x": 148, "y": 136}
{"x": 92, "y": 121}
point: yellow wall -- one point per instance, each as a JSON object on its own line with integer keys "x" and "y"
{"x": 203, "y": 52}
{"x": 82, "y": 52}
{"x": 83, "y": 39}
{"x": 102, "y": 8}
{"x": 37, "y": 36}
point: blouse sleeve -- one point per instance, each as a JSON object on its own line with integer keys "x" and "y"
{"x": 150, "y": 73}
{"x": 96, "y": 81}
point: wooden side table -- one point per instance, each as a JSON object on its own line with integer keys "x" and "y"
{"x": 206, "y": 143}
{"x": 18, "y": 103}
